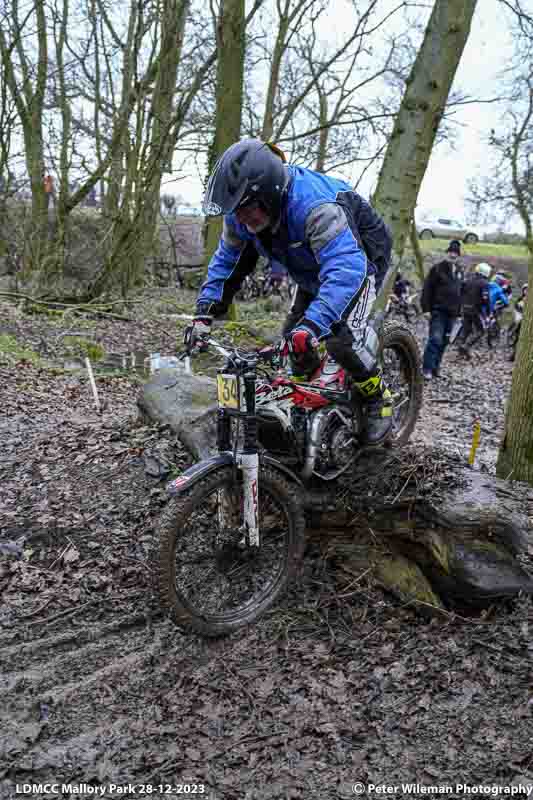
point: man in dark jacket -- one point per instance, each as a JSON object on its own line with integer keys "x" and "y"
{"x": 441, "y": 298}
{"x": 475, "y": 306}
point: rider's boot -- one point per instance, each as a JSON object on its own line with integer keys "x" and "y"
{"x": 377, "y": 424}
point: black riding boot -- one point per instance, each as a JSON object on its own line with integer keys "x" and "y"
{"x": 378, "y": 412}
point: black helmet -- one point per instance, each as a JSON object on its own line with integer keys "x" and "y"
{"x": 246, "y": 171}
{"x": 454, "y": 247}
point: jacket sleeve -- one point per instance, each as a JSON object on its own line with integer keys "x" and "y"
{"x": 484, "y": 297}
{"x": 342, "y": 267}
{"x": 234, "y": 258}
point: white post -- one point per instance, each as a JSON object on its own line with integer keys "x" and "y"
{"x": 93, "y": 385}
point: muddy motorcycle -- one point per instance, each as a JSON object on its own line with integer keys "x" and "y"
{"x": 406, "y": 307}
{"x": 513, "y": 331}
{"x": 232, "y": 534}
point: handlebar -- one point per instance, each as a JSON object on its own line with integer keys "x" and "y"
{"x": 269, "y": 355}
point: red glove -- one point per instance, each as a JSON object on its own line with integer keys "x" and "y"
{"x": 303, "y": 352}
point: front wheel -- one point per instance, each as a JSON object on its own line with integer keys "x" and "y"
{"x": 207, "y": 576}
{"x": 400, "y": 362}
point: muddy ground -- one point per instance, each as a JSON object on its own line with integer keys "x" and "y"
{"x": 329, "y": 689}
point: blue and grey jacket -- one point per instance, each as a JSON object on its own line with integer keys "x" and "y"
{"x": 496, "y": 295}
{"x": 329, "y": 238}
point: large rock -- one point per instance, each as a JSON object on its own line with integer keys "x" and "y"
{"x": 185, "y": 402}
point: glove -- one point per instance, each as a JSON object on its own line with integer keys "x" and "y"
{"x": 303, "y": 352}
{"x": 196, "y": 331}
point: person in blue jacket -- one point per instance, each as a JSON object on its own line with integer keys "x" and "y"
{"x": 498, "y": 298}
{"x": 335, "y": 247}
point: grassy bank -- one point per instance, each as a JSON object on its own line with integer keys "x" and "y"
{"x": 486, "y": 249}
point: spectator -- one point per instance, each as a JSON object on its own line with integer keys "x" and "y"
{"x": 454, "y": 255}
{"x": 475, "y": 305}
{"x": 441, "y": 298}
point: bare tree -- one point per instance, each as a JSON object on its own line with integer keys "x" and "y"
{"x": 26, "y": 79}
{"x": 231, "y": 30}
{"x": 512, "y": 191}
{"x": 420, "y": 114}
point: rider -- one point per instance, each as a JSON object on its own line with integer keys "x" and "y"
{"x": 335, "y": 247}
{"x": 401, "y": 286}
{"x": 498, "y": 297}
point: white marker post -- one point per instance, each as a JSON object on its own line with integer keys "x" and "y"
{"x": 93, "y": 385}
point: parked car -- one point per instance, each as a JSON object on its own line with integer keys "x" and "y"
{"x": 446, "y": 228}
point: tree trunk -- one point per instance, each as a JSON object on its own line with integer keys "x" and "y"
{"x": 430, "y": 528}
{"x": 275, "y": 71}
{"x": 515, "y": 459}
{"x": 323, "y": 134}
{"x": 417, "y": 251}
{"x": 516, "y": 453}
{"x": 158, "y": 150}
{"x": 420, "y": 113}
{"x": 231, "y": 32}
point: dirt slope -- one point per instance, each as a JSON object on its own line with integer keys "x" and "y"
{"x": 329, "y": 689}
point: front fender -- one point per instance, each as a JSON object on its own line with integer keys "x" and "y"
{"x": 197, "y": 472}
{"x": 203, "y": 468}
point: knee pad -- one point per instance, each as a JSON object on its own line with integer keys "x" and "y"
{"x": 358, "y": 357}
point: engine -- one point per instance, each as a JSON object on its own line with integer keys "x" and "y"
{"x": 336, "y": 450}
{"x": 280, "y": 435}
{"x": 313, "y": 442}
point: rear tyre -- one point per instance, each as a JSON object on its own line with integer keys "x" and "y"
{"x": 207, "y": 578}
{"x": 426, "y": 234}
{"x": 400, "y": 361}
{"x": 471, "y": 238}
{"x": 512, "y": 334}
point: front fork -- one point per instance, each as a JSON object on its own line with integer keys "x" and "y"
{"x": 249, "y": 465}
{"x": 229, "y": 512}
{"x": 247, "y": 460}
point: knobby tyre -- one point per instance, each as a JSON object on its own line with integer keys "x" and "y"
{"x": 401, "y": 364}
{"x": 511, "y": 336}
{"x": 207, "y": 578}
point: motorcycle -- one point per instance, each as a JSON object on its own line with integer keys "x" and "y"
{"x": 232, "y": 535}
{"x": 493, "y": 324}
{"x": 405, "y": 306}
{"x": 513, "y": 331}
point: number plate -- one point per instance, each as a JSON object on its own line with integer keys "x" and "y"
{"x": 228, "y": 391}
